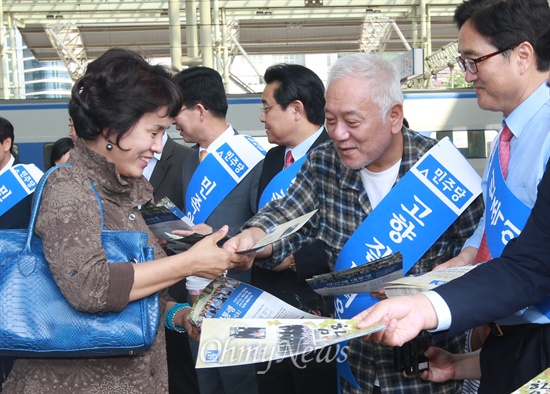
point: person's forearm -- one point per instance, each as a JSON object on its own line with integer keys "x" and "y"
{"x": 153, "y": 276}
{"x": 204, "y": 259}
{"x": 467, "y": 366}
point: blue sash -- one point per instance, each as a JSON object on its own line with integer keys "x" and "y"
{"x": 278, "y": 186}
{"x": 410, "y": 218}
{"x": 16, "y": 183}
{"x": 219, "y": 173}
{"x": 505, "y": 217}
{"x": 505, "y": 214}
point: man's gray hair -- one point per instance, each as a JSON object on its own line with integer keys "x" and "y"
{"x": 381, "y": 75}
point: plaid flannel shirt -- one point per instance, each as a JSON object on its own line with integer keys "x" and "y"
{"x": 324, "y": 183}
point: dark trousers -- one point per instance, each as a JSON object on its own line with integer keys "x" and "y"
{"x": 303, "y": 374}
{"x": 182, "y": 376}
{"x": 510, "y": 361}
{"x": 5, "y": 368}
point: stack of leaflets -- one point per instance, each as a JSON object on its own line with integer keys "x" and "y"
{"x": 279, "y": 232}
{"x": 361, "y": 279}
{"x": 163, "y": 217}
{"x": 241, "y": 324}
{"x": 416, "y": 284}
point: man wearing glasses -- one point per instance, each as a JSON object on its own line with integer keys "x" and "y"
{"x": 497, "y": 42}
{"x": 293, "y": 112}
{"x": 519, "y": 277}
{"x": 202, "y": 120}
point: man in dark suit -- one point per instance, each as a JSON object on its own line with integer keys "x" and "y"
{"x": 494, "y": 37}
{"x": 498, "y": 288}
{"x": 293, "y": 113}
{"x": 165, "y": 175}
{"x": 202, "y": 121}
{"x": 18, "y": 216}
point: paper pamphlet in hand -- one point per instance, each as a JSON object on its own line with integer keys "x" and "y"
{"x": 280, "y": 231}
{"x": 226, "y": 342}
{"x": 163, "y": 217}
{"x": 428, "y": 281}
{"x": 226, "y": 298}
{"x": 361, "y": 279}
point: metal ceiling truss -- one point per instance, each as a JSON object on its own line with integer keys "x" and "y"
{"x": 67, "y": 41}
{"x": 323, "y": 27}
{"x": 441, "y": 59}
{"x": 156, "y": 12}
{"x": 376, "y": 32}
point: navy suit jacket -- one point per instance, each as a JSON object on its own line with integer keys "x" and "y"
{"x": 517, "y": 279}
{"x": 167, "y": 175}
{"x": 288, "y": 285}
{"x": 19, "y": 215}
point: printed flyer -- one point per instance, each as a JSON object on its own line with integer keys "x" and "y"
{"x": 415, "y": 284}
{"x": 162, "y": 218}
{"x": 360, "y": 279}
{"x": 227, "y": 298}
{"x": 227, "y": 342}
{"x": 540, "y": 384}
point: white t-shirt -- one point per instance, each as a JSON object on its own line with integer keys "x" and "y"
{"x": 378, "y": 184}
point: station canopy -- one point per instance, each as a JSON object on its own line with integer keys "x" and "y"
{"x": 258, "y": 26}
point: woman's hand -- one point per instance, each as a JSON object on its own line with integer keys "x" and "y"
{"x": 181, "y": 319}
{"x": 245, "y": 241}
{"x": 193, "y": 332}
{"x": 212, "y": 261}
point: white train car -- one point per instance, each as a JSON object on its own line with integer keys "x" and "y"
{"x": 435, "y": 113}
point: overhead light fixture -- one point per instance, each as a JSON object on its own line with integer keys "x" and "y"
{"x": 313, "y": 3}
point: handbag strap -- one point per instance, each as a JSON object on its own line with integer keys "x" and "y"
{"x": 26, "y": 267}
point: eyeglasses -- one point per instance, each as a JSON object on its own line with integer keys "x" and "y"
{"x": 265, "y": 109}
{"x": 184, "y": 108}
{"x": 471, "y": 64}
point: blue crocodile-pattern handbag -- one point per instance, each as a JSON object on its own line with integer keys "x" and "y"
{"x": 37, "y": 321}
